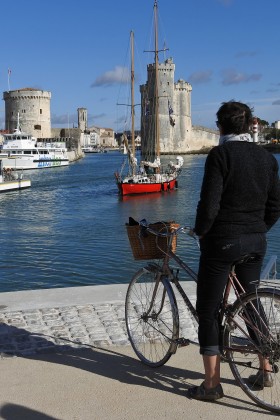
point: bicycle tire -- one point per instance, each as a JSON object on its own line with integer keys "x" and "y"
{"x": 245, "y": 363}
{"x": 153, "y": 337}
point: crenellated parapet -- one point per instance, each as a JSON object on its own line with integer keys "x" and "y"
{"x": 174, "y": 104}
{"x": 33, "y": 108}
{"x": 181, "y": 85}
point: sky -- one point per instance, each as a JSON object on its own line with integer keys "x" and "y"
{"x": 79, "y": 51}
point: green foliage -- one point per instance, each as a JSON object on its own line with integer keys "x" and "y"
{"x": 271, "y": 133}
{"x": 263, "y": 123}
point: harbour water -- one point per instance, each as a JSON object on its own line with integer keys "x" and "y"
{"x": 68, "y": 229}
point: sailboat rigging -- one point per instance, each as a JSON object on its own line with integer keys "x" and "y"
{"x": 149, "y": 176}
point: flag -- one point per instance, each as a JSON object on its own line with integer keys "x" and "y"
{"x": 147, "y": 108}
{"x": 170, "y": 110}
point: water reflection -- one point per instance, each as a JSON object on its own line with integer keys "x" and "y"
{"x": 68, "y": 229}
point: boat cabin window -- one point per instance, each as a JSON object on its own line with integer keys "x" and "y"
{"x": 27, "y": 152}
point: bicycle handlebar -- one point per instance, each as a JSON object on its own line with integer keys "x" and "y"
{"x": 182, "y": 229}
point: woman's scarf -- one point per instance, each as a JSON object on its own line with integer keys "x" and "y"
{"x": 235, "y": 137}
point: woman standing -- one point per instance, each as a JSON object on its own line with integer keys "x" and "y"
{"x": 239, "y": 203}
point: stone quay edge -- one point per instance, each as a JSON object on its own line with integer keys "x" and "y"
{"x": 43, "y": 320}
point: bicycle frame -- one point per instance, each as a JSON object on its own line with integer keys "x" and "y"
{"x": 249, "y": 322}
{"x": 232, "y": 284}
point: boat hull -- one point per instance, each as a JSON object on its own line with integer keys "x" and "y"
{"x": 146, "y": 188}
{"x": 18, "y": 184}
{"x": 33, "y": 163}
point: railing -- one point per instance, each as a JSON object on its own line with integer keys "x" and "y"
{"x": 269, "y": 272}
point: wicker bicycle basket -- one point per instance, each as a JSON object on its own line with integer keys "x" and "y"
{"x": 148, "y": 246}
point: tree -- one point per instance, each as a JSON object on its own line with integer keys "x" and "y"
{"x": 263, "y": 123}
{"x": 272, "y": 133}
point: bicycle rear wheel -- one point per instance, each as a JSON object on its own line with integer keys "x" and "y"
{"x": 259, "y": 314}
{"x": 152, "y": 321}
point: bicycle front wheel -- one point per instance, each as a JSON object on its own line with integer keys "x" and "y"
{"x": 252, "y": 335}
{"x": 151, "y": 317}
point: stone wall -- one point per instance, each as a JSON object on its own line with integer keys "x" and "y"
{"x": 202, "y": 137}
{"x": 75, "y": 154}
{"x": 74, "y": 133}
{"x": 55, "y": 132}
{"x": 73, "y": 143}
{"x": 33, "y": 108}
{"x": 72, "y": 138}
{"x": 197, "y": 139}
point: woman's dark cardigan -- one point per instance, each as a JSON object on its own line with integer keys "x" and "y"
{"x": 240, "y": 191}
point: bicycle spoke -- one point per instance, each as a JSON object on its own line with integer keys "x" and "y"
{"x": 252, "y": 338}
{"x": 151, "y": 318}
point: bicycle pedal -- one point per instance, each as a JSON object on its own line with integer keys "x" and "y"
{"x": 182, "y": 342}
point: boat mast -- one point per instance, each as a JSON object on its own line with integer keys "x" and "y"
{"x": 156, "y": 81}
{"x": 132, "y": 99}
{"x": 18, "y": 128}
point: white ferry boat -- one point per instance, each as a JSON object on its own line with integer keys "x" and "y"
{"x": 22, "y": 151}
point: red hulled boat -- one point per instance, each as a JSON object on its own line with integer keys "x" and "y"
{"x": 149, "y": 176}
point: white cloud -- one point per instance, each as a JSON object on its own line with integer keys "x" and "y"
{"x": 233, "y": 77}
{"x": 119, "y": 75}
{"x": 63, "y": 119}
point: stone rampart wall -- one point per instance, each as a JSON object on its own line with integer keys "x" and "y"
{"x": 197, "y": 139}
{"x": 202, "y": 137}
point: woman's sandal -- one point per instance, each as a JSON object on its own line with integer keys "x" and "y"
{"x": 204, "y": 394}
{"x": 261, "y": 379}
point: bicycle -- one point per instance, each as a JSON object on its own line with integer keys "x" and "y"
{"x": 250, "y": 326}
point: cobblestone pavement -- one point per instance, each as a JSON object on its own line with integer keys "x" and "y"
{"x": 28, "y": 332}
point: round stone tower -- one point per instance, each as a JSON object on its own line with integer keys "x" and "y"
{"x": 33, "y": 108}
